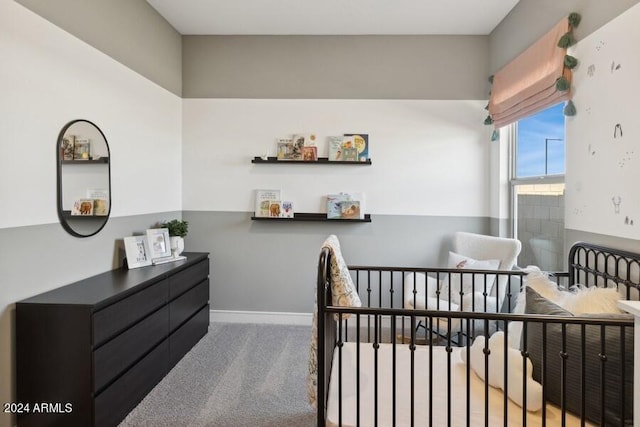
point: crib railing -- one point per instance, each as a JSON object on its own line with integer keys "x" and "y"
{"x": 608, "y": 410}
{"x": 385, "y": 319}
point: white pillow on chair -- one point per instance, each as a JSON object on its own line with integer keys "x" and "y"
{"x": 456, "y": 282}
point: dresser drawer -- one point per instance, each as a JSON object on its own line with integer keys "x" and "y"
{"x": 188, "y": 278}
{"x": 117, "y": 355}
{"x": 116, "y": 401}
{"x": 187, "y": 335}
{"x": 187, "y": 304}
{"x": 119, "y": 316}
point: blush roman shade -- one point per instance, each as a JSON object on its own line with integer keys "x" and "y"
{"x": 527, "y": 84}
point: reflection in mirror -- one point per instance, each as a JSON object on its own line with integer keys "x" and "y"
{"x": 84, "y": 178}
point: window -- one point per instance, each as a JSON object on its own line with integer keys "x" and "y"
{"x": 538, "y": 188}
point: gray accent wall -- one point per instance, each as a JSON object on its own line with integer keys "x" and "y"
{"x": 530, "y": 19}
{"x": 271, "y": 266}
{"x": 336, "y": 67}
{"x": 129, "y": 31}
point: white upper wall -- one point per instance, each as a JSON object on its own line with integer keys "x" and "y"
{"x": 48, "y": 78}
{"x": 429, "y": 157}
{"x": 603, "y": 136}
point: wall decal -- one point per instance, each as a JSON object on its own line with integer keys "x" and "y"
{"x": 617, "y": 130}
{"x": 616, "y": 204}
{"x": 599, "y": 45}
{"x": 625, "y": 159}
{"x": 591, "y": 151}
{"x": 614, "y": 67}
{"x": 628, "y": 221}
{"x": 591, "y": 70}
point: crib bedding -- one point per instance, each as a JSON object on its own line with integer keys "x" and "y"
{"x": 440, "y": 416}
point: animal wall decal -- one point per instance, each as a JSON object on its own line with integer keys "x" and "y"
{"x": 616, "y": 203}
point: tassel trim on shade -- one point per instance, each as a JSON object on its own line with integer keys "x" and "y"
{"x": 574, "y": 19}
{"x": 569, "y": 109}
{"x": 566, "y": 40}
{"x": 570, "y": 62}
{"x": 495, "y": 135}
{"x": 562, "y": 84}
{"x": 488, "y": 120}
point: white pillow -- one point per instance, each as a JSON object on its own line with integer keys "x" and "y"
{"x": 578, "y": 300}
{"x": 454, "y": 280}
{"x": 496, "y": 370}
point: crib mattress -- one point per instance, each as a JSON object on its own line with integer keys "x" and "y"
{"x": 440, "y": 415}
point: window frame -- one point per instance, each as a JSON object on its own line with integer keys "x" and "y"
{"x": 512, "y": 137}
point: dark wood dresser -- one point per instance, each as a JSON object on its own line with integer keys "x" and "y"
{"x": 89, "y": 352}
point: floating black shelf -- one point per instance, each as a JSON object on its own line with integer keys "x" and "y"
{"x": 320, "y": 161}
{"x": 101, "y": 160}
{"x": 67, "y": 214}
{"x": 301, "y": 216}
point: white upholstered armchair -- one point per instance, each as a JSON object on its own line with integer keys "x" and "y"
{"x": 466, "y": 291}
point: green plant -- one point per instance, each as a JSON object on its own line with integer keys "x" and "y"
{"x": 176, "y": 227}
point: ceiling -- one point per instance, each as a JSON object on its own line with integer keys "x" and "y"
{"x": 339, "y": 17}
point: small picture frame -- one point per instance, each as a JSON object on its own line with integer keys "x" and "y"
{"x": 263, "y": 201}
{"x": 136, "y": 248}
{"x": 67, "y": 147}
{"x": 81, "y": 149}
{"x": 275, "y": 208}
{"x": 159, "y": 244}
{"x": 82, "y": 207}
{"x": 287, "y": 209}
{"x": 310, "y": 153}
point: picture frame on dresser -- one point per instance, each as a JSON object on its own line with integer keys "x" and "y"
{"x": 137, "y": 251}
{"x": 159, "y": 243}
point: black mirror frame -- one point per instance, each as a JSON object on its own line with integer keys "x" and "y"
{"x": 59, "y": 159}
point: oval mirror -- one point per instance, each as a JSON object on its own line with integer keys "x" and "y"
{"x": 84, "y": 178}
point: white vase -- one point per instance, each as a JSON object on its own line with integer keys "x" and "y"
{"x": 177, "y": 245}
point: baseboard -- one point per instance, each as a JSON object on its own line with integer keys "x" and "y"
{"x": 269, "y": 317}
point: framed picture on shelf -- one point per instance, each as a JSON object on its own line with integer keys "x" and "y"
{"x": 350, "y": 209}
{"x": 275, "y": 208}
{"x": 349, "y": 150}
{"x": 345, "y": 206}
{"x": 262, "y": 199}
{"x": 310, "y": 153}
{"x": 81, "y": 149}
{"x": 137, "y": 251}
{"x": 287, "y": 209}
{"x": 286, "y": 149}
{"x": 361, "y": 143}
{"x": 83, "y": 207}
{"x": 159, "y": 244}
{"x": 100, "y": 197}
{"x": 335, "y": 148}
{"x": 67, "y": 147}
{"x": 334, "y": 203}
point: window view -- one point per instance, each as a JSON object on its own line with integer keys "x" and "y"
{"x": 538, "y": 188}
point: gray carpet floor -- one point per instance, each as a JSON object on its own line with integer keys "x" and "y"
{"x": 237, "y": 375}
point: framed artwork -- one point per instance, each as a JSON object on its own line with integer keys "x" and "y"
{"x": 81, "y": 149}
{"x": 137, "y": 251}
{"x": 67, "y": 147}
{"x": 159, "y": 244}
{"x": 263, "y": 201}
{"x": 82, "y": 207}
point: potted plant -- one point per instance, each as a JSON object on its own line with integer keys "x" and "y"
{"x": 178, "y": 229}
